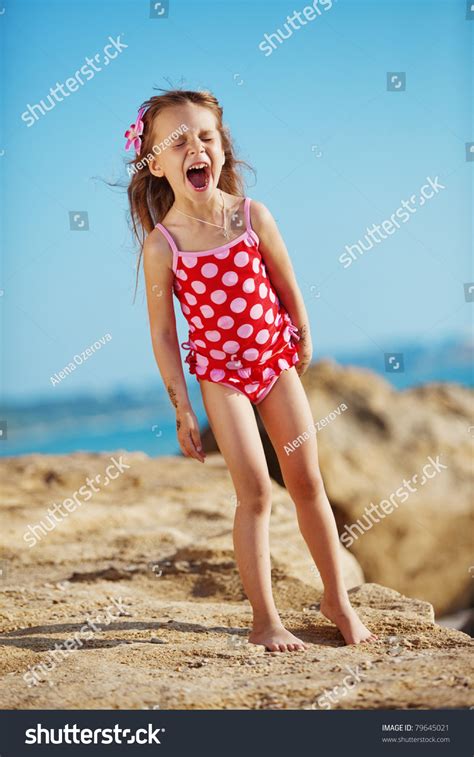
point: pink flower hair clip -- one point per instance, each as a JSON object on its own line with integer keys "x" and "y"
{"x": 134, "y": 133}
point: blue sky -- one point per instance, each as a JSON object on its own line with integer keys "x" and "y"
{"x": 334, "y": 151}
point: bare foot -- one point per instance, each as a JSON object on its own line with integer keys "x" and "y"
{"x": 348, "y": 622}
{"x": 275, "y": 638}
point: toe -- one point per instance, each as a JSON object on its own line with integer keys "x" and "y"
{"x": 272, "y": 647}
{"x": 282, "y": 647}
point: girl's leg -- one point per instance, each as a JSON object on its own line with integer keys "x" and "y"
{"x": 233, "y": 423}
{"x": 286, "y": 414}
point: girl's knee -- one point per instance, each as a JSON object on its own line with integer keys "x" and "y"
{"x": 256, "y": 497}
{"x": 307, "y": 487}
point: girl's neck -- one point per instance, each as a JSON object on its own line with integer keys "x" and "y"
{"x": 208, "y": 210}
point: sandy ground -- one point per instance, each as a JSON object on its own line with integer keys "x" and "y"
{"x": 148, "y": 561}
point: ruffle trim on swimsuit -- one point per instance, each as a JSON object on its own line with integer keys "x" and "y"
{"x": 246, "y": 369}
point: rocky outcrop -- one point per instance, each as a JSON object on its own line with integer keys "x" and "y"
{"x": 149, "y": 560}
{"x": 421, "y": 543}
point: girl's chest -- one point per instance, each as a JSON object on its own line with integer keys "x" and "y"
{"x": 229, "y": 266}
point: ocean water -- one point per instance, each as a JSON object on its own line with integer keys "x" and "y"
{"x": 142, "y": 419}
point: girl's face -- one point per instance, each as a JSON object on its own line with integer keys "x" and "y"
{"x": 193, "y": 162}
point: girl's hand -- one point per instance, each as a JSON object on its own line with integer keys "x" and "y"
{"x": 304, "y": 361}
{"x": 187, "y": 430}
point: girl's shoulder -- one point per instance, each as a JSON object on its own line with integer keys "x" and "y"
{"x": 157, "y": 249}
{"x": 260, "y": 216}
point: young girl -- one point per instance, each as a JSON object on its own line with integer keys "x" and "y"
{"x": 223, "y": 258}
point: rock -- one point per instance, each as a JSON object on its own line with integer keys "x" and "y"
{"x": 423, "y": 548}
{"x": 183, "y": 513}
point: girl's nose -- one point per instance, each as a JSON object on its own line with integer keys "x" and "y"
{"x": 195, "y": 145}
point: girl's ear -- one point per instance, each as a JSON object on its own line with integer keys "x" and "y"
{"x": 155, "y": 168}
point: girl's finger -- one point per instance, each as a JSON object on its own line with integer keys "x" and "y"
{"x": 196, "y": 440}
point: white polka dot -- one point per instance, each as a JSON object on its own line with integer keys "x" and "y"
{"x": 197, "y": 321}
{"x": 207, "y": 311}
{"x": 190, "y": 298}
{"x": 256, "y": 311}
{"x": 249, "y": 388}
{"x": 231, "y": 347}
{"x": 268, "y": 373}
{"x": 201, "y": 359}
{"x": 201, "y": 369}
{"x": 185, "y": 309}
{"x": 262, "y": 336}
{"x": 266, "y": 356}
{"x": 238, "y": 305}
{"x": 217, "y": 354}
{"x": 189, "y": 261}
{"x": 213, "y": 336}
{"x": 249, "y": 241}
{"x": 241, "y": 259}
{"x": 263, "y": 291}
{"x": 181, "y": 275}
{"x": 200, "y": 343}
{"x": 295, "y": 358}
{"x": 286, "y": 334}
{"x": 198, "y": 286}
{"x": 274, "y": 337}
{"x": 218, "y": 296}
{"x": 209, "y": 270}
{"x": 230, "y": 278}
{"x": 249, "y": 286}
{"x": 223, "y": 255}
{"x": 217, "y": 374}
{"x": 255, "y": 265}
{"x": 225, "y": 322}
{"x": 278, "y": 319}
{"x": 272, "y": 295}
{"x": 244, "y": 372}
{"x": 245, "y": 330}
{"x": 282, "y": 363}
{"x": 263, "y": 270}
{"x": 251, "y": 354}
{"x": 269, "y": 317}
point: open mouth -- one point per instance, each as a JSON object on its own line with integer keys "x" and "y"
{"x": 198, "y": 176}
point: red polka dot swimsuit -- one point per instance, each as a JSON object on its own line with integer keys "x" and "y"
{"x": 239, "y": 333}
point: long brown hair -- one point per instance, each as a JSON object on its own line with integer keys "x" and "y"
{"x": 150, "y": 196}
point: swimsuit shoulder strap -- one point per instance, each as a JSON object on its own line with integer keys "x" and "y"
{"x": 171, "y": 243}
{"x": 248, "y": 222}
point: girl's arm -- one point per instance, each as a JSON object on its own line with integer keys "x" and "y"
{"x": 282, "y": 275}
{"x": 157, "y": 265}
